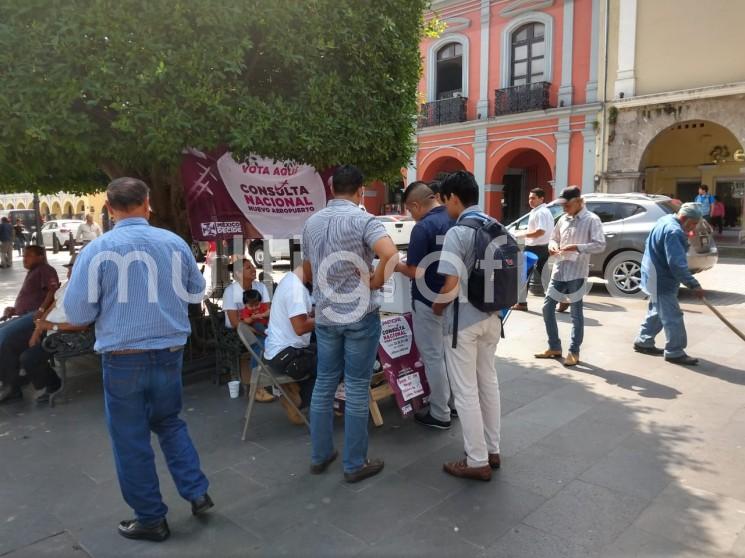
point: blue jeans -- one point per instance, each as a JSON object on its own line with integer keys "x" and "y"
{"x": 664, "y": 312}
{"x": 350, "y": 349}
{"x": 575, "y": 288}
{"x": 142, "y": 393}
{"x": 14, "y": 336}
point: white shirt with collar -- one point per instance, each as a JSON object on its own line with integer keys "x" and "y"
{"x": 87, "y": 232}
{"x": 540, "y": 219}
{"x": 586, "y": 231}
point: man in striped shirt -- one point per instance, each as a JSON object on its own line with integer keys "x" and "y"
{"x": 577, "y": 235}
{"x": 339, "y": 243}
{"x": 135, "y": 283}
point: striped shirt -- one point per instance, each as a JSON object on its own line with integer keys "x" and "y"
{"x": 586, "y": 231}
{"x": 135, "y": 283}
{"x": 338, "y": 242}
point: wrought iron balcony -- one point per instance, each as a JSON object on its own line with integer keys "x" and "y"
{"x": 444, "y": 111}
{"x": 521, "y": 98}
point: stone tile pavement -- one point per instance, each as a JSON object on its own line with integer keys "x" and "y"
{"x": 623, "y": 456}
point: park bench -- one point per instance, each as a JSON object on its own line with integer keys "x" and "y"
{"x": 66, "y": 345}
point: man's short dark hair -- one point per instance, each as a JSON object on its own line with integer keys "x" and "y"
{"x": 418, "y": 189}
{"x": 127, "y": 193}
{"x": 36, "y": 250}
{"x": 5, "y": 220}
{"x": 251, "y": 296}
{"x": 435, "y": 186}
{"x": 347, "y": 180}
{"x": 704, "y": 187}
{"x": 540, "y": 192}
{"x": 463, "y": 185}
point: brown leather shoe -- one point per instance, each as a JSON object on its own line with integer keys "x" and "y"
{"x": 295, "y": 416}
{"x": 495, "y": 462}
{"x": 462, "y": 470}
{"x": 520, "y": 306}
{"x": 371, "y": 468}
{"x": 548, "y": 353}
{"x": 563, "y": 307}
{"x": 572, "y": 359}
{"x": 263, "y": 396}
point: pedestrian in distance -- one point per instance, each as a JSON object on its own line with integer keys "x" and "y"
{"x": 664, "y": 268}
{"x": 705, "y": 201}
{"x": 6, "y": 242}
{"x": 135, "y": 283}
{"x": 425, "y": 243}
{"x": 537, "y": 237}
{"x": 718, "y": 209}
{"x": 577, "y": 235}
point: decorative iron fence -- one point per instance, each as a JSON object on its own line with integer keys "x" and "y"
{"x": 444, "y": 111}
{"x": 521, "y": 98}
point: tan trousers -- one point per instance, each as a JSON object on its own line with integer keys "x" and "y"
{"x": 473, "y": 381}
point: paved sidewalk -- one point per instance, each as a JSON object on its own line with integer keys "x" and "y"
{"x": 623, "y": 456}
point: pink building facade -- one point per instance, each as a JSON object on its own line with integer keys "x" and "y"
{"x": 510, "y": 93}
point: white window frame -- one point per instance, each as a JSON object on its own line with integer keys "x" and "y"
{"x": 505, "y": 54}
{"x": 432, "y": 63}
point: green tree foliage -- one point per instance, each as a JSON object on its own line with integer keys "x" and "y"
{"x": 91, "y": 89}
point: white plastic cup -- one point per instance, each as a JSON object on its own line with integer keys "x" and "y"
{"x": 234, "y": 387}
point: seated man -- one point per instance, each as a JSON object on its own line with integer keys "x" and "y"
{"x": 34, "y": 298}
{"x": 288, "y": 348}
{"x": 35, "y": 360}
{"x": 232, "y": 303}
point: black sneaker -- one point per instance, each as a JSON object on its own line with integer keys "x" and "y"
{"x": 133, "y": 529}
{"x": 432, "y": 422}
{"x": 683, "y": 360}
{"x": 648, "y": 350}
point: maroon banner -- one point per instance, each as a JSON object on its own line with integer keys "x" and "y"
{"x": 256, "y": 199}
{"x": 403, "y": 369}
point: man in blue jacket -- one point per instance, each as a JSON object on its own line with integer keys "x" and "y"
{"x": 664, "y": 268}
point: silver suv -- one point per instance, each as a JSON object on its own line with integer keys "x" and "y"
{"x": 627, "y": 221}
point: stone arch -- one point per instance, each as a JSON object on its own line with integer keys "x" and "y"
{"x": 2, "y": 206}
{"x": 21, "y": 205}
{"x": 56, "y": 210}
{"x": 44, "y": 209}
{"x": 437, "y": 166}
{"x": 634, "y": 129}
{"x": 10, "y": 206}
{"x": 80, "y": 207}
{"x": 67, "y": 211}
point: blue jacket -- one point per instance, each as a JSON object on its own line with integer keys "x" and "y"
{"x": 665, "y": 257}
{"x": 6, "y": 232}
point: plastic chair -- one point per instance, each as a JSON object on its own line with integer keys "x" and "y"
{"x": 262, "y": 376}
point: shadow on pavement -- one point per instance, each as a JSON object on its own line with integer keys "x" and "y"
{"x": 583, "y": 474}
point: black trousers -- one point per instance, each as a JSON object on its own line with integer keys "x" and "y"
{"x": 35, "y": 361}
{"x": 297, "y": 363}
{"x": 535, "y": 275}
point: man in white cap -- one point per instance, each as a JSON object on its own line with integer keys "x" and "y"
{"x": 664, "y": 268}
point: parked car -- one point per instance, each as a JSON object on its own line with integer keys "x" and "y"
{"x": 56, "y": 234}
{"x": 398, "y": 227}
{"x": 627, "y": 221}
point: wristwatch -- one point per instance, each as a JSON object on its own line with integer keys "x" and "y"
{"x": 55, "y": 327}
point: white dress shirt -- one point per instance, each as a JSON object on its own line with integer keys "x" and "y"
{"x": 87, "y": 232}
{"x": 540, "y": 219}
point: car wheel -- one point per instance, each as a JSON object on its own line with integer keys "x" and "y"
{"x": 257, "y": 253}
{"x": 623, "y": 274}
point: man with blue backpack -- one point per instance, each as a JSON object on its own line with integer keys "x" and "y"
{"x": 705, "y": 200}
{"x": 479, "y": 262}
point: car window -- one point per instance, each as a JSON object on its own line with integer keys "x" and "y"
{"x": 522, "y": 224}
{"x": 557, "y": 210}
{"x": 626, "y": 210}
{"x": 384, "y": 219}
{"x": 667, "y": 206}
{"x": 50, "y": 226}
{"x": 604, "y": 210}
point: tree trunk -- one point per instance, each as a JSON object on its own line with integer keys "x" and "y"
{"x": 166, "y": 196}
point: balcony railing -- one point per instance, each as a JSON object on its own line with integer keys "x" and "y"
{"x": 521, "y": 98}
{"x": 444, "y": 111}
